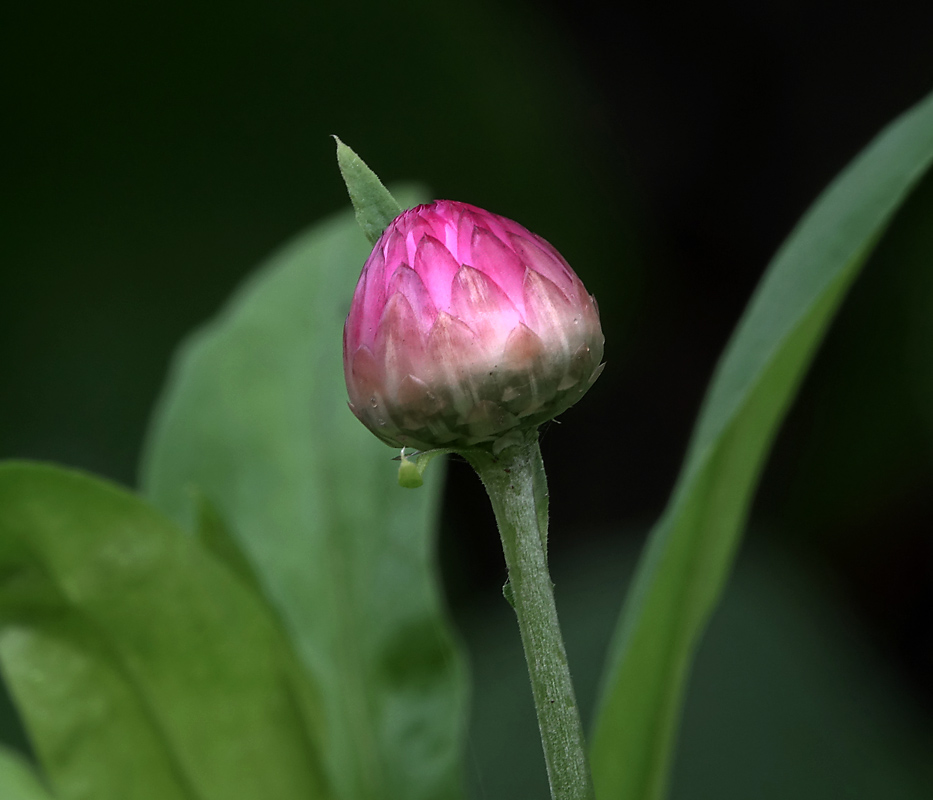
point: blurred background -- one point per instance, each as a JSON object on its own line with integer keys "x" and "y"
{"x": 156, "y": 153}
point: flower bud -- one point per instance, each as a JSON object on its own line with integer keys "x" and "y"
{"x": 466, "y": 327}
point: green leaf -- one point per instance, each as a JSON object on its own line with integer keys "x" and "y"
{"x": 18, "y": 780}
{"x": 143, "y": 669}
{"x": 374, "y": 206}
{"x": 255, "y": 417}
{"x": 788, "y": 697}
{"x": 690, "y": 551}
{"x": 214, "y": 535}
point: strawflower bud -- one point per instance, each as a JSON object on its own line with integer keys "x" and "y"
{"x": 466, "y": 328}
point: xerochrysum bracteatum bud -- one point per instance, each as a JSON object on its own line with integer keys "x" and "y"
{"x": 466, "y": 329}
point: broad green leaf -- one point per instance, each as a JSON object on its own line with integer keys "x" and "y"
{"x": 255, "y": 418}
{"x": 18, "y": 780}
{"x": 142, "y": 667}
{"x": 690, "y": 551}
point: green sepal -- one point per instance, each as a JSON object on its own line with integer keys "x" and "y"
{"x": 374, "y": 206}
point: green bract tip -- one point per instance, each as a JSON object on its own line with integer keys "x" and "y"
{"x": 374, "y": 206}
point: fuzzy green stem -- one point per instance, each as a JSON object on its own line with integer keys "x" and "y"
{"x": 516, "y": 486}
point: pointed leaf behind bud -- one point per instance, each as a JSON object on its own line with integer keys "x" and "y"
{"x": 374, "y": 206}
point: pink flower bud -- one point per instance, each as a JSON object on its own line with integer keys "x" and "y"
{"x": 464, "y": 327}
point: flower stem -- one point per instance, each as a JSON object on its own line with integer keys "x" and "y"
{"x": 516, "y": 485}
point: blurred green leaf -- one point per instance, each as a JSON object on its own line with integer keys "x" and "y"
{"x": 142, "y": 667}
{"x": 691, "y": 549}
{"x": 255, "y": 417}
{"x": 865, "y": 387}
{"x": 788, "y": 698}
{"x": 791, "y": 698}
{"x": 18, "y": 780}
{"x": 214, "y": 535}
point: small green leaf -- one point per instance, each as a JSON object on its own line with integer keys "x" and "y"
{"x": 18, "y": 780}
{"x": 374, "y": 205}
{"x": 255, "y": 416}
{"x": 691, "y": 549}
{"x": 143, "y": 669}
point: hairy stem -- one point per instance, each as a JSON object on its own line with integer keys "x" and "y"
{"x": 516, "y": 486}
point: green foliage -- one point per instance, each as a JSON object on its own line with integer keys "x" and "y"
{"x": 870, "y": 386}
{"x": 690, "y": 551}
{"x": 17, "y": 779}
{"x": 255, "y": 420}
{"x": 374, "y": 206}
{"x": 788, "y": 698}
{"x": 143, "y": 667}
{"x": 283, "y": 635}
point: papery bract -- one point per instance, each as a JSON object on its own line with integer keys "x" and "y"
{"x": 464, "y": 328}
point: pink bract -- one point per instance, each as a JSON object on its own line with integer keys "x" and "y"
{"x": 465, "y": 327}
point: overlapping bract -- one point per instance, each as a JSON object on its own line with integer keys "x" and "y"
{"x": 464, "y": 327}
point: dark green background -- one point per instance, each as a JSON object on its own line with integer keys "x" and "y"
{"x": 153, "y": 153}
